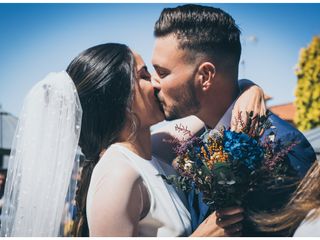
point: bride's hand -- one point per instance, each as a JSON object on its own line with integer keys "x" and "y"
{"x": 251, "y": 99}
{"x": 223, "y": 223}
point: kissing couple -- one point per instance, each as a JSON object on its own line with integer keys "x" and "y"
{"x": 105, "y": 103}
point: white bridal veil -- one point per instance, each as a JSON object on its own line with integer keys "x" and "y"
{"x": 42, "y": 158}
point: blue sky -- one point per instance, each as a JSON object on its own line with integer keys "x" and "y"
{"x": 36, "y": 39}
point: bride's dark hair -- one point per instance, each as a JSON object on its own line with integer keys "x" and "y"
{"x": 104, "y": 78}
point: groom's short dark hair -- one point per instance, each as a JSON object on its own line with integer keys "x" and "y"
{"x": 203, "y": 29}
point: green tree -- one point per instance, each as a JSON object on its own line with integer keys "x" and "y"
{"x": 307, "y": 92}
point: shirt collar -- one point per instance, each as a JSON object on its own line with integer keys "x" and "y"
{"x": 226, "y": 119}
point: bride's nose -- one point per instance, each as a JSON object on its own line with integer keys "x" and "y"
{"x": 155, "y": 81}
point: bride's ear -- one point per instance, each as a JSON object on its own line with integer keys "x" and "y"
{"x": 206, "y": 74}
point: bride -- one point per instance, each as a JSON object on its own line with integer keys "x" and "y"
{"x": 104, "y": 103}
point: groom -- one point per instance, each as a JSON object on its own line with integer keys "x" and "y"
{"x": 196, "y": 58}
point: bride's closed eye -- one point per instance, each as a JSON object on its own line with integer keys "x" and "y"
{"x": 144, "y": 74}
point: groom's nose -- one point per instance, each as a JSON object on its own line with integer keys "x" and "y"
{"x": 155, "y": 81}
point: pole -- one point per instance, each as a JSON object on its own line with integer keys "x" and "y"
{"x": 1, "y": 137}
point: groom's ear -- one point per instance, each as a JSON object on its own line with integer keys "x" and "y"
{"x": 206, "y": 73}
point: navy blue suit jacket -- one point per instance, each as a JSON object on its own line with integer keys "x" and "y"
{"x": 300, "y": 158}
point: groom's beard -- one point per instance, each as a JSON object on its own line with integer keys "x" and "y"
{"x": 185, "y": 103}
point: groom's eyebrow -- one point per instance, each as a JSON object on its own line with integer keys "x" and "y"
{"x": 157, "y": 67}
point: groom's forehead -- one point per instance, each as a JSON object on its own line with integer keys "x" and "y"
{"x": 166, "y": 51}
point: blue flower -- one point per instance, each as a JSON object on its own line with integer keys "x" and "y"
{"x": 242, "y": 148}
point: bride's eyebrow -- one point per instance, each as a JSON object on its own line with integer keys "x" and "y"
{"x": 142, "y": 68}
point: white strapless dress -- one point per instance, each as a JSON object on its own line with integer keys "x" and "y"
{"x": 168, "y": 215}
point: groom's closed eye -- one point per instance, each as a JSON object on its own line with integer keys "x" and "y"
{"x": 162, "y": 72}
